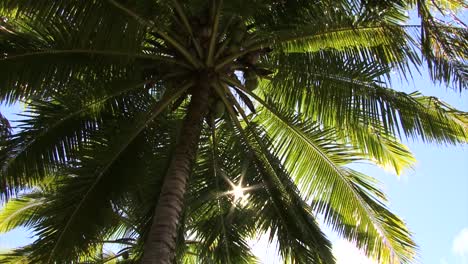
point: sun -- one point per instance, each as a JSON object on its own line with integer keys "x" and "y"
{"x": 238, "y": 193}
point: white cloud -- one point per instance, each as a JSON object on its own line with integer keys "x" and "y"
{"x": 460, "y": 243}
{"x": 345, "y": 253}
{"x": 265, "y": 251}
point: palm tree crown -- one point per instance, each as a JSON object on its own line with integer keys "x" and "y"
{"x": 180, "y": 129}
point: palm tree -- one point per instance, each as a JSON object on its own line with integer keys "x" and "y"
{"x": 180, "y": 130}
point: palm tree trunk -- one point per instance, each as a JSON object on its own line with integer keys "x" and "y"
{"x": 161, "y": 241}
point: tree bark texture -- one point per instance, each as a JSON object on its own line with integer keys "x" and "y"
{"x": 160, "y": 244}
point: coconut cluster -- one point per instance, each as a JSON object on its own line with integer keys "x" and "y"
{"x": 245, "y": 68}
{"x": 234, "y": 36}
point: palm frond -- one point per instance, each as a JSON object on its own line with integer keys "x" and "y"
{"x": 221, "y": 228}
{"x": 94, "y": 175}
{"x": 370, "y": 142}
{"x": 381, "y": 234}
{"x": 301, "y": 241}
{"x": 316, "y": 162}
{"x": 20, "y": 211}
{"x": 303, "y": 40}
{"x": 338, "y": 98}
{"x": 443, "y": 46}
{"x": 54, "y": 129}
{"x": 5, "y": 127}
{"x": 107, "y": 83}
{"x": 40, "y": 56}
{"x": 287, "y": 217}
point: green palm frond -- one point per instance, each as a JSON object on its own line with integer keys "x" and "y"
{"x": 380, "y": 148}
{"x": 82, "y": 203}
{"x": 165, "y": 36}
{"x": 381, "y": 234}
{"x": 443, "y": 46}
{"x": 316, "y": 164}
{"x": 300, "y": 240}
{"x": 95, "y": 174}
{"x": 371, "y": 142}
{"x": 347, "y": 38}
{"x": 288, "y": 218}
{"x": 31, "y": 57}
{"x": 336, "y": 97}
{"x": 214, "y": 218}
{"x": 13, "y": 257}
{"x": 20, "y": 212}
{"x": 55, "y": 130}
{"x": 5, "y": 127}
{"x": 298, "y": 91}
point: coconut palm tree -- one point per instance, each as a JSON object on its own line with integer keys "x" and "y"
{"x": 179, "y": 130}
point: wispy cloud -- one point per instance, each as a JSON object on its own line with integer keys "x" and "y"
{"x": 346, "y": 252}
{"x": 265, "y": 251}
{"x": 460, "y": 244}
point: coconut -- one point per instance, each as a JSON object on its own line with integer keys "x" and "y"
{"x": 252, "y": 57}
{"x": 233, "y": 48}
{"x": 238, "y": 33}
{"x": 250, "y": 74}
{"x": 263, "y": 72}
{"x": 219, "y": 109}
{"x": 205, "y": 32}
{"x": 251, "y": 84}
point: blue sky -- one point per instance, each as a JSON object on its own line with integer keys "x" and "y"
{"x": 433, "y": 197}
